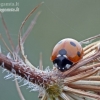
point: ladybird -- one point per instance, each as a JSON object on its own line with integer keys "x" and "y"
{"x": 66, "y": 53}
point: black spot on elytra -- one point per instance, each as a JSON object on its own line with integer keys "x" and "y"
{"x": 62, "y": 52}
{"x": 78, "y": 53}
{"x": 73, "y": 44}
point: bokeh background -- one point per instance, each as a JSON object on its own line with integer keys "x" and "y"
{"x": 78, "y": 19}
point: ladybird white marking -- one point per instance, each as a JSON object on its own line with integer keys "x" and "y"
{"x": 63, "y": 68}
{"x": 58, "y": 55}
{"x": 65, "y": 56}
{"x": 67, "y": 66}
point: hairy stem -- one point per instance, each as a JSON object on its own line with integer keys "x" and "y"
{"x": 34, "y": 76}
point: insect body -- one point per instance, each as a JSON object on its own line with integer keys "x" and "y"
{"x": 66, "y": 53}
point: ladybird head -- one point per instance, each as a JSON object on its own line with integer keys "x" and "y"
{"x": 61, "y": 62}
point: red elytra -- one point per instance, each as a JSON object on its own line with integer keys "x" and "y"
{"x": 73, "y": 49}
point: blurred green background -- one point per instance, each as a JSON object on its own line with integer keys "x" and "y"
{"x": 78, "y": 19}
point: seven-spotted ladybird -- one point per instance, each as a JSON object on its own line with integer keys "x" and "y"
{"x": 66, "y": 53}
